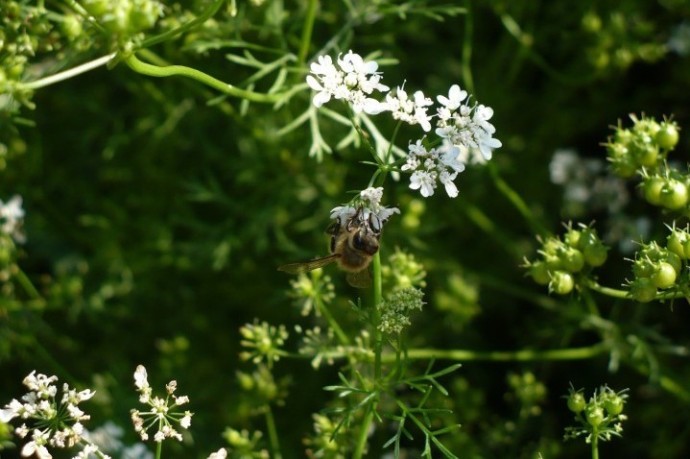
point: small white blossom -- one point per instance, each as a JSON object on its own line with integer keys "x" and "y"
{"x": 452, "y": 102}
{"x": 370, "y": 210}
{"x": 353, "y": 80}
{"x": 141, "y": 377}
{"x": 220, "y": 454}
{"x": 424, "y": 181}
{"x": 186, "y": 420}
{"x": 429, "y": 166}
{"x": 466, "y": 127}
{"x": 11, "y": 218}
{"x": 407, "y": 110}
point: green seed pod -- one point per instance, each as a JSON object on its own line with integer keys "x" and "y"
{"x": 576, "y": 402}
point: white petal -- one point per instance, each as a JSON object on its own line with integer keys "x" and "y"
{"x": 321, "y": 98}
{"x": 314, "y": 83}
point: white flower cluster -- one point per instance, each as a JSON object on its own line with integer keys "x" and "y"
{"x": 161, "y": 413}
{"x": 370, "y": 200}
{"x": 464, "y": 132}
{"x": 353, "y": 81}
{"x": 58, "y": 424}
{"x": 429, "y": 167}
{"x": 11, "y": 218}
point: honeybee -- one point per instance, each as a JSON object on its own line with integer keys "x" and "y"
{"x": 353, "y": 244}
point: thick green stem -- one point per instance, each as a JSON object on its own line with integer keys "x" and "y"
{"x": 595, "y": 445}
{"x": 307, "y": 29}
{"x": 180, "y": 70}
{"x": 272, "y": 434}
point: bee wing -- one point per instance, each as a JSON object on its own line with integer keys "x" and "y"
{"x": 306, "y": 266}
{"x": 359, "y": 279}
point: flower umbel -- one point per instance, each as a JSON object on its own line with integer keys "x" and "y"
{"x": 600, "y": 418}
{"x": 353, "y": 80}
{"x": 397, "y": 308}
{"x": 429, "y": 167}
{"x": 163, "y": 413}
{"x": 56, "y": 424}
{"x": 263, "y": 342}
{"x": 368, "y": 203}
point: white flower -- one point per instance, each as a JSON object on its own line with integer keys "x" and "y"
{"x": 466, "y": 127}
{"x": 424, "y": 181}
{"x": 370, "y": 211}
{"x": 11, "y": 218}
{"x": 427, "y": 166}
{"x": 37, "y": 445}
{"x": 454, "y": 99}
{"x": 447, "y": 179}
{"x": 220, "y": 454}
{"x": 141, "y": 380}
{"x": 11, "y": 411}
{"x": 162, "y": 411}
{"x": 186, "y": 421}
{"x": 373, "y": 195}
{"x": 409, "y": 111}
{"x": 353, "y": 82}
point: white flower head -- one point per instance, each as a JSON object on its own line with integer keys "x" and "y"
{"x": 353, "y": 80}
{"x": 431, "y": 166}
{"x": 467, "y": 127}
{"x": 412, "y": 111}
{"x": 368, "y": 210}
{"x": 163, "y": 411}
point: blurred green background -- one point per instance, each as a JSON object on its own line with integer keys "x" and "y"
{"x": 155, "y": 221}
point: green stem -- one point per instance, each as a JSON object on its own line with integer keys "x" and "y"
{"x": 376, "y": 317}
{"x": 323, "y": 309}
{"x": 159, "y": 449}
{"x": 26, "y": 284}
{"x": 589, "y": 301}
{"x": 608, "y": 291}
{"x": 180, "y": 70}
{"x": 272, "y": 434}
{"x": 210, "y": 11}
{"x": 517, "y": 201}
{"x": 595, "y": 445}
{"x": 307, "y": 29}
{"x": 524, "y": 355}
{"x": 378, "y": 346}
{"x": 67, "y": 74}
{"x": 364, "y": 433}
{"x": 467, "y": 49}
